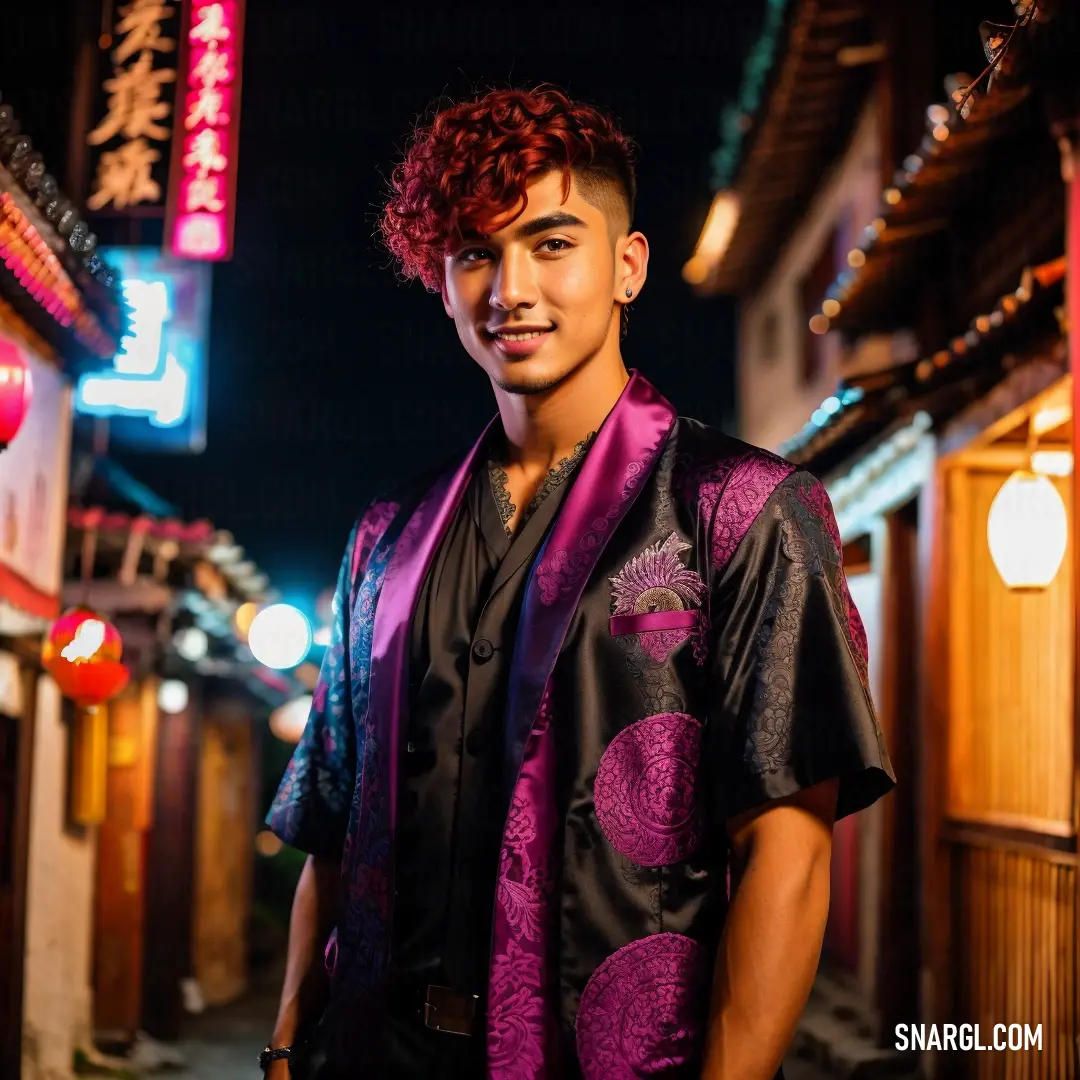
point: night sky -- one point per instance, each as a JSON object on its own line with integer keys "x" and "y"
{"x": 329, "y": 379}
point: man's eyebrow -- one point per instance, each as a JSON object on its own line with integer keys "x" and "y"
{"x": 558, "y": 219}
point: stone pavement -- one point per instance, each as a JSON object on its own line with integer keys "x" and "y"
{"x": 224, "y": 1044}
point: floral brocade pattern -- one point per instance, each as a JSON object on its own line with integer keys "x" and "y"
{"x": 656, "y": 580}
{"x": 811, "y": 549}
{"x": 311, "y": 808}
{"x": 640, "y": 1013}
{"x": 516, "y": 1022}
{"x": 369, "y": 532}
{"x": 517, "y": 1018}
{"x": 645, "y": 790}
{"x": 561, "y": 571}
{"x": 366, "y": 858}
{"x": 745, "y": 492}
{"x": 320, "y": 806}
{"x": 818, "y": 526}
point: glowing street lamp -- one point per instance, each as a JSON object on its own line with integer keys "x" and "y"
{"x": 280, "y": 636}
{"x": 1027, "y": 530}
{"x": 173, "y": 696}
{"x": 192, "y": 643}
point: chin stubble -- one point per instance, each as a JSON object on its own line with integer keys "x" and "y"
{"x": 531, "y": 387}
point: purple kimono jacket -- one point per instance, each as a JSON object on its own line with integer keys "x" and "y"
{"x": 687, "y": 649}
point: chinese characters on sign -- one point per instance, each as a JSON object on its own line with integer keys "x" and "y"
{"x": 201, "y": 210}
{"x": 155, "y": 393}
{"x": 136, "y": 111}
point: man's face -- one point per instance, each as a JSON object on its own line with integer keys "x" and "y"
{"x": 536, "y": 298}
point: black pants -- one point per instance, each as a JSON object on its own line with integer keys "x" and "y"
{"x": 412, "y": 1051}
{"x": 401, "y": 1047}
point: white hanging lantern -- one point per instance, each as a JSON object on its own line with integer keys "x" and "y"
{"x": 1027, "y": 529}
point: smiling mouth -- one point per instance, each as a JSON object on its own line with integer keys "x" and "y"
{"x": 509, "y": 334}
{"x": 521, "y": 337}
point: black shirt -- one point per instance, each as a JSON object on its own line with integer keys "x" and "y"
{"x": 451, "y": 802}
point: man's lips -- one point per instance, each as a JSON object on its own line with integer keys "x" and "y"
{"x": 518, "y": 329}
{"x": 519, "y": 340}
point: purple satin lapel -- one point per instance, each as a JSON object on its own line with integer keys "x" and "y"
{"x": 412, "y": 555}
{"x": 522, "y": 1018}
{"x": 618, "y": 463}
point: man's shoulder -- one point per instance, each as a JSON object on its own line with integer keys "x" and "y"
{"x": 708, "y": 453}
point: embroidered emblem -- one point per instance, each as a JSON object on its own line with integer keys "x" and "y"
{"x": 641, "y": 1011}
{"x": 654, "y": 581}
{"x": 645, "y": 796}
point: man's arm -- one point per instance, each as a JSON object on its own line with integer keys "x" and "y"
{"x": 771, "y": 945}
{"x": 303, "y": 994}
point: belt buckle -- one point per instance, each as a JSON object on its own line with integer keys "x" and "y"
{"x": 447, "y": 1010}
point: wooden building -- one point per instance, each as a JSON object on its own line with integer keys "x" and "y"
{"x": 60, "y": 314}
{"x": 901, "y": 266}
{"x": 177, "y": 821}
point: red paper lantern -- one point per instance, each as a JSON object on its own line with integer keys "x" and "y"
{"x": 16, "y": 389}
{"x": 82, "y": 653}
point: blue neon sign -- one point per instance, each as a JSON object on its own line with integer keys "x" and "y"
{"x": 155, "y": 393}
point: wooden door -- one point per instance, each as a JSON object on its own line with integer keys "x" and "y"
{"x": 169, "y": 874}
{"x": 1009, "y": 896}
{"x": 119, "y": 900}
{"x": 898, "y": 954}
{"x": 850, "y": 939}
{"x": 224, "y": 858}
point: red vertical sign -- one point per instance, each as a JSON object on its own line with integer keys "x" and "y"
{"x": 202, "y": 190}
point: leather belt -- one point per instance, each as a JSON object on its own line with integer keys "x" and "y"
{"x": 439, "y": 1008}
{"x": 447, "y": 1010}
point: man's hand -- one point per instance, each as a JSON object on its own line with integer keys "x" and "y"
{"x": 772, "y": 940}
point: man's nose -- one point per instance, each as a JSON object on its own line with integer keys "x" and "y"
{"x": 513, "y": 286}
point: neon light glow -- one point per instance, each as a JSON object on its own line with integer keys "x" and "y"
{"x": 157, "y": 379}
{"x": 163, "y": 399}
{"x": 145, "y": 380}
{"x": 204, "y": 190}
{"x": 141, "y": 349}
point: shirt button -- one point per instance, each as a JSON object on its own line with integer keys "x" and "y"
{"x": 476, "y": 741}
{"x": 483, "y": 649}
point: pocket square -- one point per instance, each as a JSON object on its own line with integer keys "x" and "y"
{"x": 643, "y": 622}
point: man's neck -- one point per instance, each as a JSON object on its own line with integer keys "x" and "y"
{"x": 542, "y": 429}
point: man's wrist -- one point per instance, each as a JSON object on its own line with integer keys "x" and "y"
{"x": 274, "y": 1053}
{"x": 283, "y": 1035}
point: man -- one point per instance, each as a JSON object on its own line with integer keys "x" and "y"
{"x": 574, "y": 679}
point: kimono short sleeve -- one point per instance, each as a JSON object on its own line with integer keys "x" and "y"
{"x": 794, "y": 705}
{"x": 311, "y": 808}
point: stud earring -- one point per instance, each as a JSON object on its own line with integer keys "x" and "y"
{"x": 629, "y": 293}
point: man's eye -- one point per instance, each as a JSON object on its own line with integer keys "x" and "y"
{"x": 473, "y": 255}
{"x": 554, "y": 244}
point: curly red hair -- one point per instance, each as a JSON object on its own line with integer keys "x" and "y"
{"x": 473, "y": 161}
